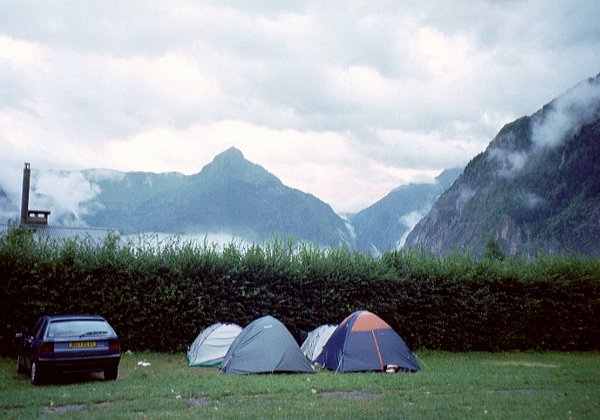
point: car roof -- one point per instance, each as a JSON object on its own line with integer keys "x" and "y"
{"x": 67, "y": 317}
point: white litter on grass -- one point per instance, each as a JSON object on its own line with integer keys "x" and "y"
{"x": 143, "y": 363}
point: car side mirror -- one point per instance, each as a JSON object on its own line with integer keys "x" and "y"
{"x": 18, "y": 335}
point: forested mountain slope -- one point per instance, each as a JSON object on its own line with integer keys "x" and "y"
{"x": 536, "y": 188}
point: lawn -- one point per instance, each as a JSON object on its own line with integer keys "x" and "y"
{"x": 450, "y": 385}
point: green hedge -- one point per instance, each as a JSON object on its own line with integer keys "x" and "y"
{"x": 159, "y": 296}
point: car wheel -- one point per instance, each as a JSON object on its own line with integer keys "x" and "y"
{"x": 20, "y": 367}
{"x": 110, "y": 374}
{"x": 35, "y": 374}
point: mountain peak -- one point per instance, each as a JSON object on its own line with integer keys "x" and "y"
{"x": 231, "y": 158}
{"x": 231, "y": 166}
{"x": 231, "y": 154}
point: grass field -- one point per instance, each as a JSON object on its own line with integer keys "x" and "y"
{"x": 450, "y": 385}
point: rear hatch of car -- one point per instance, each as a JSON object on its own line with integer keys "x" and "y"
{"x": 79, "y": 338}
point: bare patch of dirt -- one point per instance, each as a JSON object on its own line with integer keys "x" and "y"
{"x": 524, "y": 364}
{"x": 521, "y": 391}
{"x": 199, "y": 402}
{"x": 64, "y": 409}
{"x": 354, "y": 395}
{"x": 67, "y": 408}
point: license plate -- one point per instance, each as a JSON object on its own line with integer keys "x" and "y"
{"x": 81, "y": 344}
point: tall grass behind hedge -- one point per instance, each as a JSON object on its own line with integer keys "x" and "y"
{"x": 158, "y": 296}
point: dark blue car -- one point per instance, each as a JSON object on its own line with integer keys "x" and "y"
{"x": 68, "y": 344}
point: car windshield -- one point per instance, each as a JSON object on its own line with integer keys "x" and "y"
{"x": 78, "y": 328}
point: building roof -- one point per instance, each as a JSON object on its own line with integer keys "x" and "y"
{"x": 61, "y": 232}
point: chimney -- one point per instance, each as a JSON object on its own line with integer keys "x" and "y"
{"x": 25, "y": 194}
{"x": 30, "y": 217}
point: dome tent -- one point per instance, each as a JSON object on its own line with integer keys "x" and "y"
{"x": 315, "y": 341}
{"x": 365, "y": 342}
{"x": 211, "y": 345}
{"x": 265, "y": 345}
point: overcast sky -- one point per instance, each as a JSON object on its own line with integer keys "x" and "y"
{"x": 342, "y": 99}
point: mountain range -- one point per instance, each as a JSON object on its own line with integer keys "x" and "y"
{"x": 535, "y": 189}
{"x": 230, "y": 198}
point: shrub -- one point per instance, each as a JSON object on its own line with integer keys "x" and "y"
{"x": 159, "y": 295}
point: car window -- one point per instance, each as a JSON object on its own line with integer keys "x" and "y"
{"x": 36, "y": 328}
{"x": 79, "y": 328}
{"x": 40, "y": 328}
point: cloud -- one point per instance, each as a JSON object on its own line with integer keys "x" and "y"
{"x": 10, "y": 193}
{"x": 567, "y": 114}
{"x": 160, "y": 240}
{"x": 354, "y": 97}
{"x": 324, "y": 164}
{"x": 464, "y": 195}
{"x": 531, "y": 200}
{"x": 424, "y": 149}
{"x": 563, "y": 117}
{"x": 511, "y": 162}
{"x": 65, "y": 194}
{"x": 409, "y": 220}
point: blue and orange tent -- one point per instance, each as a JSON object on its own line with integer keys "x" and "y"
{"x": 365, "y": 342}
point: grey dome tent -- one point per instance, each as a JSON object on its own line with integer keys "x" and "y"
{"x": 211, "y": 345}
{"x": 265, "y": 345}
{"x": 315, "y": 341}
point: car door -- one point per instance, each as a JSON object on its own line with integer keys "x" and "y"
{"x": 32, "y": 341}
